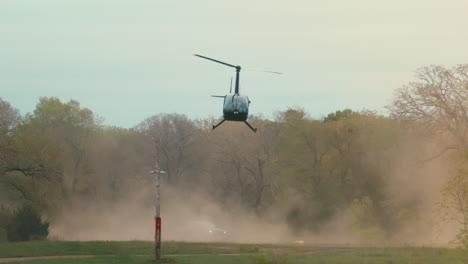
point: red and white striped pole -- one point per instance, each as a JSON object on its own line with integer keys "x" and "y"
{"x": 157, "y": 238}
{"x": 157, "y": 218}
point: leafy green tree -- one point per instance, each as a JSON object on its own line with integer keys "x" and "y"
{"x": 306, "y": 170}
{"x": 9, "y": 120}
{"x": 326, "y": 164}
{"x": 54, "y": 141}
{"x": 339, "y": 115}
{"x": 12, "y": 161}
{"x": 453, "y": 204}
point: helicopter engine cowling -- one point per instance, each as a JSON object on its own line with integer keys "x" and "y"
{"x": 236, "y": 107}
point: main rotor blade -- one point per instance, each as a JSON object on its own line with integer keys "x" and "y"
{"x": 261, "y": 70}
{"x": 219, "y": 96}
{"x": 227, "y": 64}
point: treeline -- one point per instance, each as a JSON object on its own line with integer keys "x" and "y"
{"x": 306, "y": 170}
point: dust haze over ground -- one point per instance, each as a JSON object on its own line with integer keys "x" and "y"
{"x": 183, "y": 219}
{"x": 416, "y": 180}
{"x": 190, "y": 216}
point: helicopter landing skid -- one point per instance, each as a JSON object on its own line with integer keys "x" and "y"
{"x": 247, "y": 123}
{"x": 215, "y": 126}
{"x": 253, "y": 129}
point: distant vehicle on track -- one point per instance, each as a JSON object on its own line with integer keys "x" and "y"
{"x": 216, "y": 231}
{"x": 198, "y": 231}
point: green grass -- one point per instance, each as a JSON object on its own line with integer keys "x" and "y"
{"x": 213, "y": 259}
{"x": 321, "y": 258}
{"x": 138, "y": 252}
{"x": 377, "y": 258}
{"x": 98, "y": 260}
{"x": 55, "y": 248}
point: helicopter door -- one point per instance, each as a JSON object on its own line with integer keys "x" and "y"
{"x": 229, "y": 105}
{"x": 242, "y": 104}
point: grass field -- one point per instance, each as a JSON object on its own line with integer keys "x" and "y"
{"x": 225, "y": 253}
{"x": 54, "y": 248}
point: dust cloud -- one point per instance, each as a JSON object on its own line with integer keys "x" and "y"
{"x": 189, "y": 216}
{"x": 183, "y": 219}
{"x": 415, "y": 182}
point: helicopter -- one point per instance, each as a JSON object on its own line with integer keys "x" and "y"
{"x": 236, "y": 106}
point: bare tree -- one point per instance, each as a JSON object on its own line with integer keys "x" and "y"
{"x": 438, "y": 100}
{"x": 244, "y": 158}
{"x": 173, "y": 138}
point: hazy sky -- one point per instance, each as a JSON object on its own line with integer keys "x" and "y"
{"x": 128, "y": 60}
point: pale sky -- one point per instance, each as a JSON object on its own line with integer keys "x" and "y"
{"x": 128, "y": 60}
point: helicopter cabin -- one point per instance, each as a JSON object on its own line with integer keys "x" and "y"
{"x": 236, "y": 107}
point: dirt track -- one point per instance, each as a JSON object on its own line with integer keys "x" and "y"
{"x": 3, "y": 260}
{"x": 263, "y": 250}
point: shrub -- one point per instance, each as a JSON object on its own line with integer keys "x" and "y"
{"x": 5, "y": 216}
{"x": 26, "y": 224}
{"x": 366, "y": 222}
{"x": 3, "y": 235}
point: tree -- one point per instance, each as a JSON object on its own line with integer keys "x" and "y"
{"x": 172, "y": 141}
{"x": 118, "y": 159}
{"x": 9, "y": 120}
{"x": 343, "y": 141}
{"x": 307, "y": 170}
{"x": 437, "y": 100}
{"x": 306, "y": 144}
{"x": 339, "y": 115}
{"x": 55, "y": 139}
{"x": 436, "y": 103}
{"x": 9, "y": 117}
{"x": 453, "y": 204}
{"x": 242, "y": 160}
{"x": 328, "y": 164}
{"x": 12, "y": 167}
